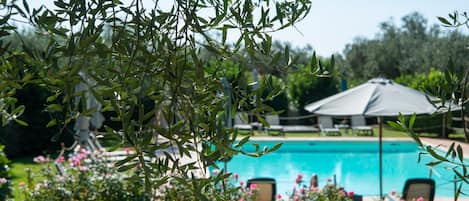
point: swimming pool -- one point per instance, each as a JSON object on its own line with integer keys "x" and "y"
{"x": 355, "y": 165}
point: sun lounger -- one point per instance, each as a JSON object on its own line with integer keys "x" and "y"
{"x": 299, "y": 129}
{"x": 325, "y": 124}
{"x": 266, "y": 188}
{"x": 241, "y": 122}
{"x": 359, "y": 127}
{"x": 274, "y": 122}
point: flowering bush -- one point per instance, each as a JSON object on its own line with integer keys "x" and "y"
{"x": 87, "y": 176}
{"x": 5, "y": 184}
{"x": 227, "y": 187}
{"x": 330, "y": 192}
{"x": 301, "y": 192}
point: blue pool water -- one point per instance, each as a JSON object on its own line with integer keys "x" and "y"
{"x": 354, "y": 163}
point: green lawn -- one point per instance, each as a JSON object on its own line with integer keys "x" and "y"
{"x": 19, "y": 173}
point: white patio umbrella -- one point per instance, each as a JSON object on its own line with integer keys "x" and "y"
{"x": 376, "y": 98}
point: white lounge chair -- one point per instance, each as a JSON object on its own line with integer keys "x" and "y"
{"x": 359, "y": 126}
{"x": 327, "y": 129}
{"x": 241, "y": 122}
{"x": 274, "y": 122}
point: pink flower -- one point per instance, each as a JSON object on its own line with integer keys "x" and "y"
{"x": 420, "y": 199}
{"x": 21, "y": 184}
{"x": 253, "y": 186}
{"x": 216, "y": 171}
{"x": 3, "y": 180}
{"x": 60, "y": 159}
{"x": 241, "y": 199}
{"x": 83, "y": 168}
{"x": 84, "y": 151}
{"x": 296, "y": 198}
{"x": 279, "y": 197}
{"x": 74, "y": 161}
{"x": 249, "y": 193}
{"x": 302, "y": 191}
{"x": 236, "y": 176}
{"x": 241, "y": 183}
{"x": 298, "y": 178}
{"x": 127, "y": 149}
{"x": 81, "y": 156}
{"x": 393, "y": 192}
{"x": 40, "y": 159}
{"x": 350, "y": 194}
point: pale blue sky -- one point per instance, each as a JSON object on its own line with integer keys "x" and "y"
{"x": 332, "y": 24}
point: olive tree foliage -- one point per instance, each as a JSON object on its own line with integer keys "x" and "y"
{"x": 452, "y": 90}
{"x": 413, "y": 47}
{"x": 136, "y": 53}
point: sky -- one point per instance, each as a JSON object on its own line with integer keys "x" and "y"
{"x": 331, "y": 24}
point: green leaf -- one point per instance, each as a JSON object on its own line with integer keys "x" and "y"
{"x": 412, "y": 121}
{"x": 126, "y": 167}
{"x": 462, "y": 177}
{"x": 276, "y": 147}
{"x": 54, "y": 108}
{"x": 242, "y": 142}
{"x": 51, "y": 123}
{"x": 20, "y": 122}
{"x": 434, "y": 163}
{"x": 450, "y": 149}
{"x": 129, "y": 158}
{"x": 460, "y": 153}
{"x": 434, "y": 154}
{"x": 444, "y": 21}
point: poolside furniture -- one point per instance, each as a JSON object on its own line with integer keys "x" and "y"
{"x": 346, "y": 127}
{"x": 266, "y": 187}
{"x": 419, "y": 187}
{"x": 299, "y": 129}
{"x": 325, "y": 125}
{"x": 359, "y": 127}
{"x": 241, "y": 122}
{"x": 274, "y": 124}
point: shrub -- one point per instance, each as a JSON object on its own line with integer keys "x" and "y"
{"x": 88, "y": 177}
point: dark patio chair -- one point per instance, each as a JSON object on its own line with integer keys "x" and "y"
{"x": 267, "y": 188}
{"x": 419, "y": 187}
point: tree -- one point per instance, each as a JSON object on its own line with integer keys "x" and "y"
{"x": 412, "y": 48}
{"x": 452, "y": 89}
{"x": 305, "y": 86}
{"x": 149, "y": 53}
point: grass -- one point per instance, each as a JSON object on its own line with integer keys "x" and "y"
{"x": 19, "y": 172}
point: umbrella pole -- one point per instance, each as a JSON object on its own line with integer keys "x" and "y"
{"x": 380, "y": 119}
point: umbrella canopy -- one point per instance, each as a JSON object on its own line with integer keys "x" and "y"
{"x": 377, "y": 97}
